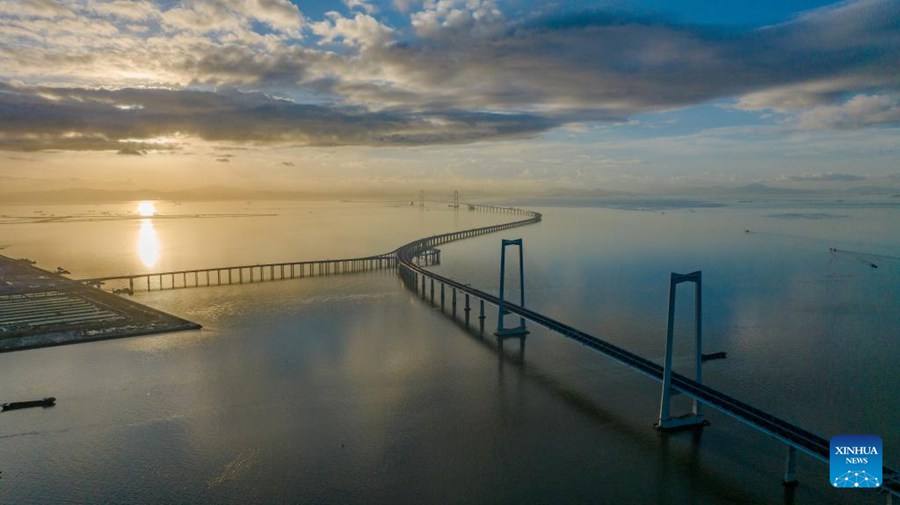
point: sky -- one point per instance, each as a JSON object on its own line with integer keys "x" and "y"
{"x": 515, "y": 95}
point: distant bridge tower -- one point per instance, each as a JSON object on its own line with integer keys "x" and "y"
{"x": 519, "y": 331}
{"x": 455, "y": 200}
{"x": 695, "y": 418}
{"x": 422, "y": 198}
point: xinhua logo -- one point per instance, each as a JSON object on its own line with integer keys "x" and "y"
{"x": 856, "y": 461}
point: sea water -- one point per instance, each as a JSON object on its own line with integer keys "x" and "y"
{"x": 352, "y": 389}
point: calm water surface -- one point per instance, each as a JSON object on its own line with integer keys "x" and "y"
{"x": 349, "y": 389}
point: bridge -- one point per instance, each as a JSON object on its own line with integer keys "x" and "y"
{"x": 249, "y": 274}
{"x": 423, "y": 282}
{"x": 411, "y": 260}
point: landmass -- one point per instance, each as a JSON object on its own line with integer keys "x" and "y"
{"x": 39, "y": 308}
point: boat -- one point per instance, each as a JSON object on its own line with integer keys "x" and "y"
{"x": 48, "y": 401}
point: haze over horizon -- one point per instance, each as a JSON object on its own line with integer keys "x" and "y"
{"x": 524, "y": 96}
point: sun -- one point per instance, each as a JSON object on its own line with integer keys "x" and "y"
{"x": 146, "y": 209}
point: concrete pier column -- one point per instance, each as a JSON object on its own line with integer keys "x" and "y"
{"x": 790, "y": 467}
{"x": 481, "y": 316}
{"x": 467, "y": 310}
{"x": 453, "y": 303}
{"x": 432, "y": 291}
{"x": 442, "y": 297}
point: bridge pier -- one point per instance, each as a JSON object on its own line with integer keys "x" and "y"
{"x": 432, "y": 291}
{"x": 790, "y": 467}
{"x": 481, "y": 316}
{"x": 467, "y": 310}
{"x": 442, "y": 297}
{"x": 695, "y": 419}
{"x": 453, "y": 303}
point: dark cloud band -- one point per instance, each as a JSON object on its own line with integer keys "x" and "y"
{"x": 134, "y": 120}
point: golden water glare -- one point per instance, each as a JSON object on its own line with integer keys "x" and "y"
{"x": 148, "y": 244}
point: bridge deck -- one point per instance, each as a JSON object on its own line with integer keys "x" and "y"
{"x": 245, "y": 274}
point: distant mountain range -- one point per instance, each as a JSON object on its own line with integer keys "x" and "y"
{"x": 762, "y": 189}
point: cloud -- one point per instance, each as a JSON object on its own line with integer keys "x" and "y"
{"x": 857, "y": 112}
{"x": 35, "y": 8}
{"x": 607, "y": 66}
{"x": 448, "y": 18}
{"x": 367, "y": 6}
{"x": 239, "y": 65}
{"x": 202, "y": 17}
{"x": 39, "y": 118}
{"x": 131, "y": 10}
{"x": 131, "y": 151}
{"x": 405, "y": 5}
{"x": 459, "y": 71}
{"x": 362, "y": 30}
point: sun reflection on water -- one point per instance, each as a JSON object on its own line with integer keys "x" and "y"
{"x": 148, "y": 244}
